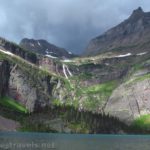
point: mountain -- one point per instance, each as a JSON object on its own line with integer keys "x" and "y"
{"x": 45, "y": 48}
{"x": 40, "y": 99}
{"x": 132, "y": 35}
{"x": 100, "y": 94}
{"x": 106, "y": 93}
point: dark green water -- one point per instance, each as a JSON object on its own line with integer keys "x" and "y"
{"x": 42, "y": 141}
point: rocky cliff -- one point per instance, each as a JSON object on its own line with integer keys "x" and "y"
{"x": 4, "y": 77}
{"x": 131, "y": 99}
{"x": 34, "y": 91}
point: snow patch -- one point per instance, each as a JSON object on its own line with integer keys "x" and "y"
{"x": 7, "y": 52}
{"x": 32, "y": 44}
{"x": 69, "y": 53}
{"x": 107, "y": 64}
{"x": 39, "y": 43}
{"x": 47, "y": 52}
{"x": 67, "y": 60}
{"x": 140, "y": 54}
{"x": 51, "y": 56}
{"x": 125, "y": 55}
{"x": 52, "y": 53}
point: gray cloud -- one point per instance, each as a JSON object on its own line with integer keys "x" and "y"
{"x": 66, "y": 23}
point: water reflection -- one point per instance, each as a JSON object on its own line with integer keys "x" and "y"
{"x": 43, "y": 141}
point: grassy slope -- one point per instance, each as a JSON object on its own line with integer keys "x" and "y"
{"x": 105, "y": 88}
{"x": 140, "y": 78}
{"x": 12, "y": 104}
{"x": 141, "y": 124}
{"x": 98, "y": 94}
{"x": 93, "y": 97}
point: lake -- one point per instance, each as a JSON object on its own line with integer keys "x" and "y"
{"x": 45, "y": 141}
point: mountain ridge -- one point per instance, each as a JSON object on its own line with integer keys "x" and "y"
{"x": 43, "y": 47}
{"x": 129, "y": 36}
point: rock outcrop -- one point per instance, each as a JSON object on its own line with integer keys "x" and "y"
{"x": 130, "y": 100}
{"x": 21, "y": 89}
{"x": 8, "y": 125}
{"x": 33, "y": 90}
{"x": 4, "y": 77}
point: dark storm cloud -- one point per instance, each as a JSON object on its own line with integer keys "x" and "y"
{"x": 66, "y": 23}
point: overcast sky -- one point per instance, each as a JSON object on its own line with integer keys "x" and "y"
{"x": 65, "y": 23}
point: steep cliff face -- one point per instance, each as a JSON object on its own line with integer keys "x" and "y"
{"x": 51, "y": 65}
{"x": 4, "y": 77}
{"x": 102, "y": 71}
{"x": 132, "y": 35}
{"x": 131, "y": 99}
{"x": 21, "y": 89}
{"x": 34, "y": 91}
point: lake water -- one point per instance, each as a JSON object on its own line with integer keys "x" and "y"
{"x": 44, "y": 141}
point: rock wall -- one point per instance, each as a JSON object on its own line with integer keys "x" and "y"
{"x": 130, "y": 101}
{"x": 32, "y": 90}
{"x": 21, "y": 90}
{"x": 4, "y": 77}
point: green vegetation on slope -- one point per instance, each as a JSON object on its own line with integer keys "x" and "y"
{"x": 138, "y": 79}
{"x": 78, "y": 127}
{"x": 141, "y": 78}
{"x": 12, "y": 104}
{"x": 71, "y": 121}
{"x": 142, "y": 123}
{"x": 98, "y": 94}
{"x": 91, "y": 98}
{"x": 105, "y": 88}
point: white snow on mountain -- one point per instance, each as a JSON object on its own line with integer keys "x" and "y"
{"x": 140, "y": 54}
{"x": 125, "y": 55}
{"x": 50, "y": 56}
{"x": 7, "y": 52}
